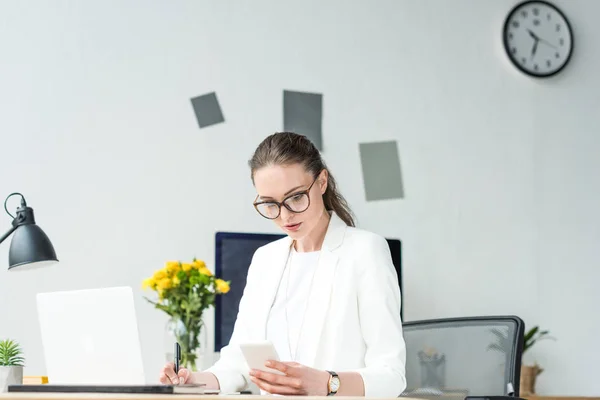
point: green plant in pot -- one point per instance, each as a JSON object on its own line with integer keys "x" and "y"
{"x": 11, "y": 364}
{"x": 529, "y": 373}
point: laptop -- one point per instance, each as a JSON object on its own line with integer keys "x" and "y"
{"x": 91, "y": 343}
{"x": 91, "y": 337}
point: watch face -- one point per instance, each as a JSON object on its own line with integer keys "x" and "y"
{"x": 335, "y": 384}
{"x": 538, "y": 38}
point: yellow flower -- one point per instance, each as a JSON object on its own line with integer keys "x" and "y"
{"x": 199, "y": 264}
{"x": 222, "y": 286}
{"x": 205, "y": 271}
{"x": 159, "y": 275}
{"x": 172, "y": 266}
{"x": 165, "y": 283}
{"x": 148, "y": 283}
{"x": 176, "y": 281}
{"x": 186, "y": 267}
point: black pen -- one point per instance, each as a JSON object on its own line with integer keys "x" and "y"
{"x": 177, "y": 356}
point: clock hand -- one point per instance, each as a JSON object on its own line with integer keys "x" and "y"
{"x": 535, "y": 45}
{"x": 534, "y": 49}
{"x": 548, "y": 43}
{"x": 533, "y": 35}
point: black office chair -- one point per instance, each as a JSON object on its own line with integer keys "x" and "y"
{"x": 471, "y": 356}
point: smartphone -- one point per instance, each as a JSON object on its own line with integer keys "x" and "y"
{"x": 258, "y": 353}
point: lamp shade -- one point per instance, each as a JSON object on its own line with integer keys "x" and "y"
{"x": 30, "y": 245}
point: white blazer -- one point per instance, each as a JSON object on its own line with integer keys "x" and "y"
{"x": 353, "y": 316}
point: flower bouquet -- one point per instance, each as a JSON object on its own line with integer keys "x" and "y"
{"x": 185, "y": 291}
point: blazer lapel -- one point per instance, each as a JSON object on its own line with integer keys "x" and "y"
{"x": 320, "y": 294}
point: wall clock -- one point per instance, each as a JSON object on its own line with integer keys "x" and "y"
{"x": 538, "y": 38}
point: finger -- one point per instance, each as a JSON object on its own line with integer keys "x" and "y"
{"x": 273, "y": 388}
{"x": 277, "y": 379}
{"x": 163, "y": 379}
{"x": 169, "y": 371}
{"x": 290, "y": 363}
{"x": 184, "y": 375}
{"x": 280, "y": 366}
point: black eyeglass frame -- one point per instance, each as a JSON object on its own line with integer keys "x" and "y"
{"x": 282, "y": 203}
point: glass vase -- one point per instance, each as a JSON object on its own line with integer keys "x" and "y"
{"x": 192, "y": 343}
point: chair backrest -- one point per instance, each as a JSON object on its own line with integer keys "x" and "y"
{"x": 470, "y": 356}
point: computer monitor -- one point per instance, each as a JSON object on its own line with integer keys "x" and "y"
{"x": 90, "y": 337}
{"x": 233, "y": 254}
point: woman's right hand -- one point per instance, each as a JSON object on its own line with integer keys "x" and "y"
{"x": 169, "y": 377}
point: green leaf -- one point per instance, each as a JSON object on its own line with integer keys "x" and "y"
{"x": 531, "y": 333}
{"x": 532, "y": 336}
{"x": 11, "y": 353}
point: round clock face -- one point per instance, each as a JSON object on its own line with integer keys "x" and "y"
{"x": 538, "y": 38}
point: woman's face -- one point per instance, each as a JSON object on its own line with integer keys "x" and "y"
{"x": 289, "y": 184}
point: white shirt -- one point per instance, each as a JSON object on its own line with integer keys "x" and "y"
{"x": 292, "y": 298}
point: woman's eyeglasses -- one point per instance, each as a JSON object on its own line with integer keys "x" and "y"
{"x": 296, "y": 203}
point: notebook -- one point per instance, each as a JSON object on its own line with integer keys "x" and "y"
{"x": 148, "y": 389}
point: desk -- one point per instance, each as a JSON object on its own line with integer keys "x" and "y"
{"x": 117, "y": 396}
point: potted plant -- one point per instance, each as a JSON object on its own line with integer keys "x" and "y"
{"x": 529, "y": 373}
{"x": 185, "y": 291}
{"x": 11, "y": 364}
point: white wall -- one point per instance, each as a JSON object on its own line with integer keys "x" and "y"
{"x": 502, "y": 190}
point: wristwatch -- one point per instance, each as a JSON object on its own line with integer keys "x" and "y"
{"x": 334, "y": 384}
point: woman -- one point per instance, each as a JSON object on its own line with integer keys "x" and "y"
{"x": 326, "y": 295}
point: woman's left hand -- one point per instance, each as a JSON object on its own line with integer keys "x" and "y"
{"x": 297, "y": 379}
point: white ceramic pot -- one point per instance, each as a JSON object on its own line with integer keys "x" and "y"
{"x": 12, "y": 375}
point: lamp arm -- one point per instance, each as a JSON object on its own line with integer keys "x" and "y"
{"x": 7, "y": 234}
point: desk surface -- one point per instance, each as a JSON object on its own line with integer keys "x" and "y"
{"x": 118, "y": 396}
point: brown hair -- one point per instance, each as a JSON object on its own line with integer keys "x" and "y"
{"x": 286, "y": 148}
